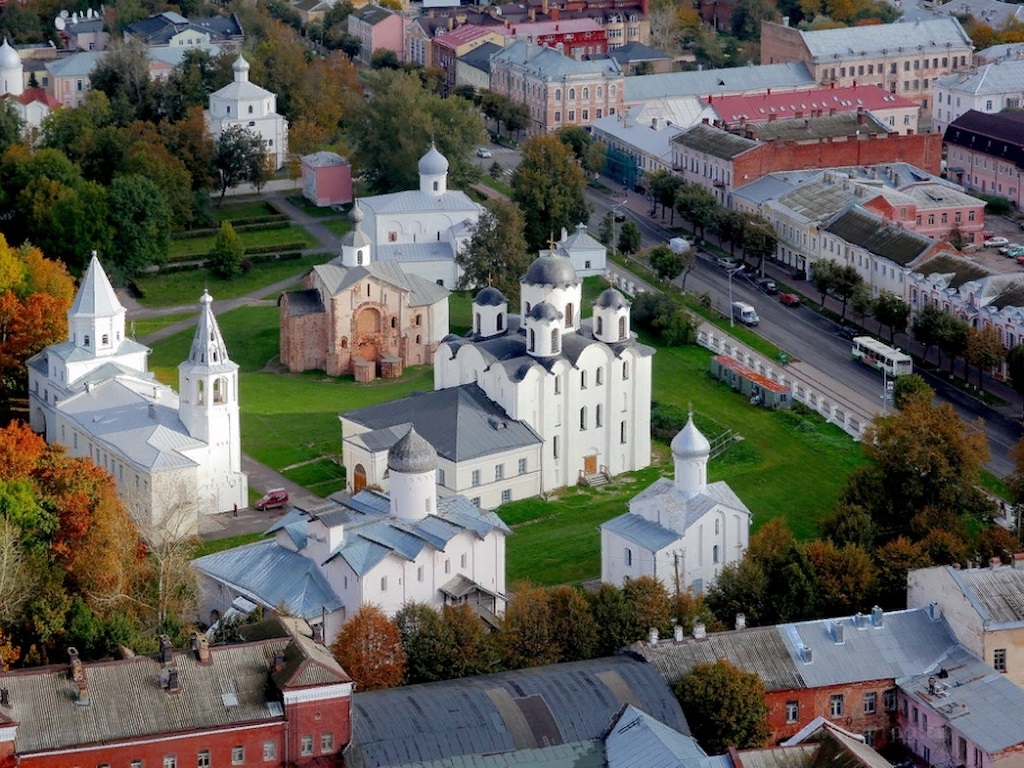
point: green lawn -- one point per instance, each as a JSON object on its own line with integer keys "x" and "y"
{"x": 249, "y": 209}
{"x": 168, "y": 290}
{"x": 199, "y": 247}
{"x": 338, "y": 227}
{"x": 219, "y": 545}
{"x": 147, "y": 325}
{"x": 311, "y": 210}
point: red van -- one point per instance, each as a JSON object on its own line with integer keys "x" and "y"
{"x": 274, "y": 498}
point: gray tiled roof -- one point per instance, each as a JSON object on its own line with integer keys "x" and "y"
{"x": 414, "y": 201}
{"x": 637, "y": 740}
{"x": 499, "y": 713}
{"x": 422, "y": 292}
{"x": 975, "y": 700}
{"x": 759, "y": 650}
{"x": 480, "y": 57}
{"x": 269, "y": 574}
{"x": 128, "y": 702}
{"x": 818, "y": 200}
{"x": 959, "y": 270}
{"x": 404, "y": 253}
{"x": 996, "y": 593}
{"x": 550, "y": 64}
{"x": 1002, "y": 77}
{"x": 677, "y": 512}
{"x": 714, "y": 141}
{"x": 873, "y": 234}
{"x": 813, "y": 128}
{"x": 461, "y": 423}
{"x": 642, "y": 88}
{"x": 925, "y": 35}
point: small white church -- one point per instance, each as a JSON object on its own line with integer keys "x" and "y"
{"x": 174, "y": 458}
{"x": 681, "y": 531}
{"x": 244, "y": 103}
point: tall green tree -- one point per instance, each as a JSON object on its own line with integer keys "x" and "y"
{"x": 548, "y": 187}
{"x": 667, "y": 264}
{"x": 985, "y": 350}
{"x": 496, "y": 253}
{"x": 952, "y": 337}
{"x": 823, "y": 277}
{"x": 892, "y": 312}
{"x": 11, "y": 125}
{"x": 237, "y": 154}
{"x": 140, "y": 224}
{"x": 759, "y": 239}
{"x": 573, "y": 623}
{"x": 526, "y": 637}
{"x": 611, "y": 614}
{"x": 629, "y": 238}
{"x": 725, "y": 707}
{"x": 122, "y": 73}
{"x": 228, "y": 252}
{"x": 698, "y": 206}
{"x": 847, "y": 282}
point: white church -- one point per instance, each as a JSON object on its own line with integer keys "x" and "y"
{"x": 244, "y": 103}
{"x": 174, "y": 458}
{"x": 31, "y": 104}
{"x": 386, "y": 549}
{"x": 681, "y": 531}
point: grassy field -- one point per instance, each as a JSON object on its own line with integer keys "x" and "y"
{"x": 249, "y": 209}
{"x": 311, "y": 210}
{"x": 199, "y": 247}
{"x": 170, "y": 290}
{"x": 219, "y": 545}
{"x": 338, "y": 227}
{"x": 145, "y": 326}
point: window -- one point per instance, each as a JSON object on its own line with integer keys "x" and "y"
{"x": 572, "y": 115}
{"x": 558, "y": 385}
{"x": 572, "y": 94}
{"x": 203, "y": 758}
{"x": 440, "y": 477}
{"x": 448, "y": 561}
{"x": 555, "y": 339}
{"x": 597, "y": 415}
{"x": 622, "y": 432}
{"x": 999, "y": 659}
{"x": 836, "y": 705}
{"x": 914, "y": 716}
{"x": 599, "y": 376}
{"x": 86, "y": 341}
{"x": 583, "y": 379}
{"x": 522, "y": 466}
{"x": 307, "y": 745}
{"x": 506, "y": 496}
{"x": 463, "y": 560}
{"x": 383, "y": 586}
{"x": 475, "y": 477}
{"x": 238, "y": 755}
{"x": 792, "y": 711}
{"x": 625, "y": 370}
{"x": 870, "y": 702}
{"x": 962, "y": 748}
{"x": 269, "y": 751}
{"x": 583, "y": 418}
{"x": 170, "y": 761}
{"x": 870, "y": 737}
{"x": 600, "y": 326}
{"x": 889, "y": 698}
{"x": 629, "y": 557}
{"x": 554, "y": 446}
{"x": 326, "y": 742}
{"x": 499, "y": 472}
{"x": 419, "y": 573}
{"x": 714, "y": 554}
{"x": 568, "y": 315}
{"x": 586, "y": 93}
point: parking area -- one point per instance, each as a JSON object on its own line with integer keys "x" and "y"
{"x": 991, "y": 258}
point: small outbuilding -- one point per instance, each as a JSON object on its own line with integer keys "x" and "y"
{"x": 326, "y": 179}
{"x": 756, "y": 386}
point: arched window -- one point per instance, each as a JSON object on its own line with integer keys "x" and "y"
{"x": 586, "y": 93}
{"x": 437, "y": 186}
{"x": 394, "y": 322}
{"x": 599, "y": 376}
{"x": 583, "y": 417}
{"x": 600, "y": 92}
{"x": 597, "y": 415}
{"x": 600, "y": 326}
{"x": 86, "y": 343}
{"x": 533, "y": 340}
{"x": 383, "y": 583}
{"x": 200, "y": 392}
{"x": 105, "y": 340}
{"x": 583, "y": 379}
{"x": 572, "y": 94}
{"x": 622, "y": 432}
{"x": 568, "y": 315}
{"x": 250, "y": 109}
{"x": 419, "y": 339}
{"x": 558, "y": 94}
{"x": 220, "y": 390}
{"x": 625, "y": 369}
{"x": 477, "y": 320}
{"x": 555, "y": 337}
{"x": 714, "y": 554}
{"x": 501, "y": 321}
{"x": 344, "y": 343}
{"x": 622, "y": 327}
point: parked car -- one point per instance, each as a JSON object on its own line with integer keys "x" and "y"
{"x": 1007, "y": 248}
{"x": 483, "y": 152}
{"x": 996, "y": 242}
{"x": 725, "y": 263}
{"x": 274, "y": 499}
{"x": 848, "y": 332}
{"x": 766, "y": 285}
{"x": 789, "y": 299}
{"x": 1013, "y": 253}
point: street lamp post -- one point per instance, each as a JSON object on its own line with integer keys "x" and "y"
{"x": 732, "y": 319}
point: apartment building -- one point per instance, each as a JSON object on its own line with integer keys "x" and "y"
{"x": 990, "y": 88}
{"x": 985, "y": 153}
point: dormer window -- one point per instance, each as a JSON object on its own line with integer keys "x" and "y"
{"x": 86, "y": 342}
{"x": 250, "y": 109}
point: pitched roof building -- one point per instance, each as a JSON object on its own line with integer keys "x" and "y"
{"x": 243, "y": 103}
{"x": 170, "y": 29}
{"x": 985, "y": 153}
{"x": 278, "y": 700}
{"x": 991, "y": 88}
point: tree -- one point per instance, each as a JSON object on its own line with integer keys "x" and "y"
{"x": 576, "y": 138}
{"x": 952, "y": 337}
{"x": 597, "y": 155}
{"x": 226, "y": 257}
{"x": 629, "y": 238}
{"x": 666, "y": 263}
{"x": 741, "y": 588}
{"x": 122, "y": 73}
{"x": 846, "y": 282}
{"x": 606, "y": 234}
{"x": 725, "y": 707}
{"x": 611, "y": 615}
{"x": 237, "y": 153}
{"x": 477, "y": 654}
{"x": 663, "y": 187}
{"x": 894, "y": 560}
{"x": 384, "y": 58}
{"x": 140, "y": 223}
{"x": 909, "y": 388}
{"x": 649, "y": 605}
{"x": 926, "y": 325}
{"x": 849, "y": 524}
{"x": 759, "y": 239}
{"x": 495, "y": 253}
{"x": 823, "y": 277}
{"x": 1015, "y": 368}
{"x": 427, "y": 642}
{"x": 697, "y": 206}
{"x": 845, "y": 576}
{"x": 731, "y": 225}
{"x": 747, "y": 16}
{"x": 369, "y": 647}
{"x": 892, "y": 311}
{"x": 11, "y": 125}
{"x": 548, "y": 187}
{"x": 862, "y": 302}
{"x": 526, "y": 637}
{"x": 573, "y": 623}
{"x": 985, "y": 350}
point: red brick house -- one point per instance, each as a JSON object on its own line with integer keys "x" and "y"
{"x": 278, "y": 700}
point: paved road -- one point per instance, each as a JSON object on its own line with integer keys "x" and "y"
{"x": 808, "y": 336}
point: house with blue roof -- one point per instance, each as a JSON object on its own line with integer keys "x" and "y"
{"x": 388, "y": 549}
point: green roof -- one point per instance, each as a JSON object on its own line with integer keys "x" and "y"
{"x": 714, "y": 141}
{"x": 961, "y": 270}
{"x": 860, "y": 228}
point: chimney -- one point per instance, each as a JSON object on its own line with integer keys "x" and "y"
{"x": 877, "y": 616}
{"x": 699, "y": 631}
{"x": 704, "y": 120}
{"x": 166, "y": 650}
{"x": 785, "y": 21}
{"x": 152, "y": 411}
{"x": 173, "y": 684}
{"x": 931, "y": 686}
{"x": 806, "y": 656}
{"x": 1018, "y": 561}
{"x": 5, "y": 698}
{"x": 741, "y": 621}
{"x": 994, "y": 562}
{"x": 77, "y": 673}
{"x": 837, "y": 633}
{"x": 858, "y": 620}
{"x": 278, "y": 664}
{"x": 934, "y": 611}
{"x": 652, "y": 637}
{"x": 862, "y": 117}
{"x": 771, "y": 117}
{"x": 201, "y": 645}
{"x": 318, "y": 634}
{"x": 677, "y": 633}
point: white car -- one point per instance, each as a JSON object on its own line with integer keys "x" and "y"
{"x": 483, "y": 152}
{"x": 996, "y": 242}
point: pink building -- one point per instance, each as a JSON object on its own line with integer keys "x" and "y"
{"x": 377, "y": 28}
{"x": 447, "y": 48}
{"x": 986, "y": 153}
{"x": 932, "y": 208}
{"x": 326, "y": 179}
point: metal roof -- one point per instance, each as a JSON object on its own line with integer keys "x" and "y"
{"x": 1001, "y": 77}
{"x": 714, "y": 141}
{"x": 787, "y": 104}
{"x": 927, "y": 35}
{"x": 814, "y": 128}
{"x": 661, "y": 501}
{"x": 422, "y": 292}
{"x": 499, "y": 713}
{"x": 996, "y": 593}
{"x": 580, "y": 754}
{"x": 645, "y": 533}
{"x": 95, "y": 296}
{"x": 857, "y": 649}
{"x": 792, "y": 74}
{"x": 990, "y": 12}
{"x": 955, "y": 270}
{"x": 637, "y": 740}
{"x": 454, "y": 201}
{"x": 983, "y": 705}
{"x": 549, "y": 64}
{"x": 462, "y": 423}
{"x": 818, "y": 200}
{"x": 269, "y": 574}
{"x": 759, "y": 650}
{"x": 480, "y": 57}
{"x": 875, "y": 235}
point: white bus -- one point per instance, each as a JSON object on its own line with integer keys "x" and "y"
{"x": 882, "y": 357}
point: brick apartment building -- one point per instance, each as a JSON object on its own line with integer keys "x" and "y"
{"x": 724, "y": 161}
{"x": 278, "y": 700}
{"x": 986, "y": 153}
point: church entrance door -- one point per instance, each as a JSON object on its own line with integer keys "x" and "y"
{"x": 590, "y": 465}
{"x": 358, "y": 479}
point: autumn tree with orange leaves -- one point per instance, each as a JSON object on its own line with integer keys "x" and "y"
{"x": 369, "y": 647}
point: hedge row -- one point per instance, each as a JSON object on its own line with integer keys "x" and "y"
{"x": 297, "y": 245}
{"x": 254, "y": 224}
{"x": 261, "y": 257}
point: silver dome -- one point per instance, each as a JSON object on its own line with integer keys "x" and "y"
{"x": 690, "y": 443}
{"x": 551, "y": 270}
{"x": 433, "y": 163}
{"x": 610, "y": 298}
{"x": 412, "y": 455}
{"x": 490, "y": 297}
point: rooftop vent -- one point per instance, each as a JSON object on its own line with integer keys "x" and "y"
{"x": 806, "y": 656}
{"x": 677, "y": 633}
{"x": 837, "y": 633}
{"x": 166, "y": 650}
{"x": 699, "y": 631}
{"x": 934, "y": 611}
{"x": 741, "y": 621}
{"x": 877, "y": 616}
{"x": 652, "y": 637}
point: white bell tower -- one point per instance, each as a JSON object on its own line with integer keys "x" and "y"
{"x": 690, "y": 453}
{"x": 355, "y": 245}
{"x": 96, "y": 319}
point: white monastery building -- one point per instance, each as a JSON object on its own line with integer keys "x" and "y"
{"x": 387, "y": 549}
{"x": 584, "y": 386}
{"x": 243, "y": 103}
{"x": 423, "y": 229}
{"x": 173, "y": 458}
{"x": 681, "y": 531}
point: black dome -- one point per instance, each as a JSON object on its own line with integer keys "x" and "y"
{"x": 551, "y": 270}
{"x": 544, "y": 311}
{"x": 490, "y": 297}
{"x": 610, "y": 298}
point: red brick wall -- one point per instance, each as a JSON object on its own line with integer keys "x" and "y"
{"x": 816, "y": 702}
{"x": 922, "y": 150}
{"x": 303, "y": 340}
{"x": 313, "y": 719}
{"x": 780, "y": 44}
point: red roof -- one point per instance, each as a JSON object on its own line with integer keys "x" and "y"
{"x": 467, "y": 33}
{"x": 34, "y": 94}
{"x": 750, "y": 374}
{"x": 757, "y": 107}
